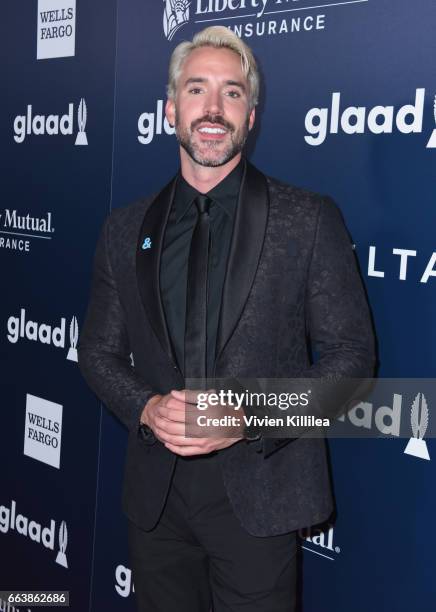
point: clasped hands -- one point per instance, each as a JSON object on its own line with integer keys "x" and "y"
{"x": 171, "y": 416}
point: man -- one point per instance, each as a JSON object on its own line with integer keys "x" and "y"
{"x": 225, "y": 273}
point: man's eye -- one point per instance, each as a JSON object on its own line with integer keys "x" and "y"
{"x": 234, "y": 94}
{"x": 195, "y": 90}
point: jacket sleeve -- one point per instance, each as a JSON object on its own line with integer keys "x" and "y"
{"x": 338, "y": 321}
{"x": 103, "y": 349}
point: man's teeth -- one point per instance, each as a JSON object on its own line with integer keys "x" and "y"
{"x": 208, "y": 130}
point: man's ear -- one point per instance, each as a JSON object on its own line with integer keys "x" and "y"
{"x": 251, "y": 119}
{"x": 170, "y": 112}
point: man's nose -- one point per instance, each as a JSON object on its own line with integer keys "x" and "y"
{"x": 214, "y": 103}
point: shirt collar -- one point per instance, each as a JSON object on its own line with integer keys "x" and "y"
{"x": 225, "y": 194}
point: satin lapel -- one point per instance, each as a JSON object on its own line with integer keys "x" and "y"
{"x": 148, "y": 256}
{"x": 245, "y": 249}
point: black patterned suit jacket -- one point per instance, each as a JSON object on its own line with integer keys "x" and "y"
{"x": 291, "y": 283}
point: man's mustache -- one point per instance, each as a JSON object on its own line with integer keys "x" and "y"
{"x": 215, "y": 119}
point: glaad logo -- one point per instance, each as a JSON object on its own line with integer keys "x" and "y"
{"x": 150, "y": 124}
{"x": 61, "y": 557}
{"x": 419, "y": 421}
{"x": 43, "y": 430}
{"x": 322, "y": 539}
{"x": 10, "y": 520}
{"x": 408, "y": 119}
{"x": 51, "y": 125}
{"x": 432, "y": 141}
{"x": 176, "y": 14}
{"x": 19, "y": 327}
{"x": 74, "y": 337}
{"x": 81, "y": 138}
{"x": 8, "y": 607}
{"x": 123, "y": 581}
{"x": 56, "y": 28}
{"x": 387, "y": 421}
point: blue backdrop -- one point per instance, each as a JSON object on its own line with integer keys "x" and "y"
{"x": 347, "y": 109}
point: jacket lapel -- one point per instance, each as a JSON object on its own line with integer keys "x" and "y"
{"x": 148, "y": 256}
{"x": 245, "y": 249}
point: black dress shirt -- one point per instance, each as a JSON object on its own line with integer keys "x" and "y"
{"x": 175, "y": 254}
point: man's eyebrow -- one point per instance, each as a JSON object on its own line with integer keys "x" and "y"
{"x": 204, "y": 80}
{"x": 195, "y": 80}
{"x": 236, "y": 84}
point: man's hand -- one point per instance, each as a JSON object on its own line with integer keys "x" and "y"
{"x": 170, "y": 416}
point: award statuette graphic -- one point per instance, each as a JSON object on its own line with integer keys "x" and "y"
{"x": 419, "y": 421}
{"x": 81, "y": 138}
{"x": 61, "y": 558}
{"x": 432, "y": 142}
{"x": 74, "y": 337}
{"x": 176, "y": 14}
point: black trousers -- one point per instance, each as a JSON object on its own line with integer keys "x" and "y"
{"x": 199, "y": 556}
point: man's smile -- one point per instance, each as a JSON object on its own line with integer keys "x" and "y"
{"x": 212, "y": 131}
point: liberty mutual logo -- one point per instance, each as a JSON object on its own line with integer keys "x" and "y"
{"x": 248, "y": 18}
{"x": 176, "y": 14}
{"x": 320, "y": 541}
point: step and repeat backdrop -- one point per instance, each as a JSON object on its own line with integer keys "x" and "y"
{"x": 348, "y": 109}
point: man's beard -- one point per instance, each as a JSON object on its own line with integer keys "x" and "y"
{"x": 208, "y": 157}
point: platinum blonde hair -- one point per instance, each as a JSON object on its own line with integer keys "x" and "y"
{"x": 218, "y": 37}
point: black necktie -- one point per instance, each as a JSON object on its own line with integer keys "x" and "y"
{"x": 196, "y": 294}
